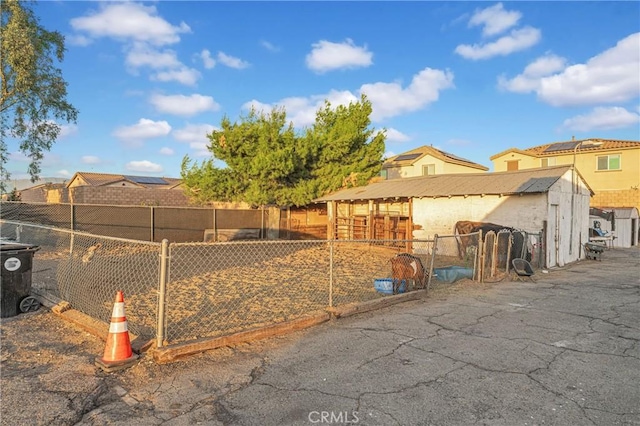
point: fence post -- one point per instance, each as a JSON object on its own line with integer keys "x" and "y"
{"x": 153, "y": 225}
{"x": 481, "y": 258}
{"x": 509, "y": 243}
{"x": 73, "y": 227}
{"x": 331, "y": 273}
{"x": 433, "y": 256}
{"x": 162, "y": 289}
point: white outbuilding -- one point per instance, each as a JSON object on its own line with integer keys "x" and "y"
{"x": 554, "y": 200}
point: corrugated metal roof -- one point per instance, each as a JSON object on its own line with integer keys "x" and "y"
{"x": 530, "y": 181}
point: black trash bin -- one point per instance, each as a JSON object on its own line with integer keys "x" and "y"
{"x": 16, "y": 263}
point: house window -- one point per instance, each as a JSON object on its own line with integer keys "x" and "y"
{"x": 512, "y": 166}
{"x": 548, "y": 162}
{"x": 384, "y": 174}
{"x": 609, "y": 162}
{"x": 428, "y": 170}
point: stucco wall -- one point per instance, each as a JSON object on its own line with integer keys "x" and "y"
{"x": 527, "y": 212}
{"x": 441, "y": 167}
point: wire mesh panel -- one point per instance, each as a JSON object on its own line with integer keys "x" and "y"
{"x": 457, "y": 250}
{"x": 98, "y": 267}
{"x": 87, "y": 270}
{"x": 221, "y": 288}
{"x": 489, "y": 255}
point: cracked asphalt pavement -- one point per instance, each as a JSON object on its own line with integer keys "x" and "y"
{"x": 564, "y": 350}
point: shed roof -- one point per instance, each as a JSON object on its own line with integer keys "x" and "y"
{"x": 622, "y": 212}
{"x": 410, "y": 157}
{"x": 529, "y": 181}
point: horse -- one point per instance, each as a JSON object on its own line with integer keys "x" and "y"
{"x": 407, "y": 267}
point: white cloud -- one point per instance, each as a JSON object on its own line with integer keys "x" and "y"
{"x": 67, "y": 130}
{"x": 231, "y": 61}
{"x": 186, "y": 76}
{"x": 302, "y": 111}
{"x": 602, "y": 118}
{"x": 494, "y": 19}
{"x": 516, "y": 41}
{"x": 391, "y": 99}
{"x": 532, "y": 75}
{"x": 184, "y": 105}
{"x": 609, "y": 77}
{"x": 194, "y": 133}
{"x": 91, "y": 159}
{"x": 144, "y": 129}
{"x": 143, "y": 166}
{"x": 269, "y": 46}
{"x": 141, "y": 54}
{"x": 196, "y": 136}
{"x": 130, "y": 21}
{"x": 394, "y": 135}
{"x": 63, "y": 173}
{"x": 327, "y": 56}
{"x": 387, "y": 99}
{"x": 166, "y": 151}
{"x": 207, "y": 59}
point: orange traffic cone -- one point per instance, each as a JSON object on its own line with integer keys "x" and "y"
{"x": 117, "y": 353}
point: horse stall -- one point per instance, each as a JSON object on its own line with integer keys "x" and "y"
{"x": 552, "y": 200}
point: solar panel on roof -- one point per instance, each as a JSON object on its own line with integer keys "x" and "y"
{"x": 147, "y": 180}
{"x": 407, "y": 157}
{"x": 455, "y": 157}
{"x": 562, "y": 146}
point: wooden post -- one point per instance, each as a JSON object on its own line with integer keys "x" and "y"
{"x": 409, "y": 232}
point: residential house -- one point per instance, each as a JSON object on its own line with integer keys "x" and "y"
{"x": 554, "y": 200}
{"x": 427, "y": 161}
{"x": 611, "y": 167}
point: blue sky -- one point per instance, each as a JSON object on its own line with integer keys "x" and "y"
{"x": 471, "y": 78}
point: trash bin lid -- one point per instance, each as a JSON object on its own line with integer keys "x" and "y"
{"x": 15, "y": 246}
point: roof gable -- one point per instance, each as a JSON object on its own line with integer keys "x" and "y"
{"x": 409, "y": 158}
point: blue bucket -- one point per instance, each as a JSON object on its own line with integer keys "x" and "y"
{"x": 385, "y": 285}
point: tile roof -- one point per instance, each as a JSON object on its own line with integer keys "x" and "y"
{"x": 555, "y": 148}
{"x": 529, "y": 181}
{"x": 410, "y": 157}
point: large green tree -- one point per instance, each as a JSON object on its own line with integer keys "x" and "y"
{"x": 32, "y": 90}
{"x": 267, "y": 162}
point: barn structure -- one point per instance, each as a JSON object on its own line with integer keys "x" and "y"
{"x": 554, "y": 200}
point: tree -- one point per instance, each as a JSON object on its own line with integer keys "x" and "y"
{"x": 267, "y": 162}
{"x": 32, "y": 90}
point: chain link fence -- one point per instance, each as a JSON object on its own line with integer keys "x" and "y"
{"x": 87, "y": 270}
{"x": 181, "y": 292}
{"x": 144, "y": 223}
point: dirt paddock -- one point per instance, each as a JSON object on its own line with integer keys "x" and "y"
{"x": 219, "y": 289}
